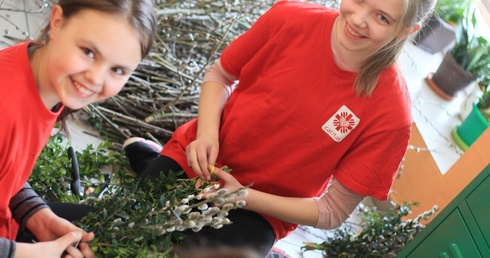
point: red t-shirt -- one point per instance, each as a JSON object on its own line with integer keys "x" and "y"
{"x": 25, "y": 127}
{"x": 294, "y": 120}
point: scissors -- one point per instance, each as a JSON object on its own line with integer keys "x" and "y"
{"x": 75, "y": 173}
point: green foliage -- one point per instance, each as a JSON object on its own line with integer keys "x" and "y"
{"x": 483, "y": 103}
{"x": 380, "y": 234}
{"x": 451, "y": 11}
{"x": 146, "y": 217}
{"x": 470, "y": 50}
{"x": 51, "y": 176}
{"x": 131, "y": 218}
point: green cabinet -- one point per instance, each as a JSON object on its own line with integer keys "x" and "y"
{"x": 478, "y": 203}
{"x": 462, "y": 228}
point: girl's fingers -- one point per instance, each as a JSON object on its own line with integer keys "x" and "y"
{"x": 221, "y": 174}
{"x": 192, "y": 161}
{"x": 198, "y": 183}
{"x": 71, "y": 242}
{"x": 202, "y": 158}
{"x": 86, "y": 251}
{"x": 86, "y": 237}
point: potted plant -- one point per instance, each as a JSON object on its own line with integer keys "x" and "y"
{"x": 465, "y": 62}
{"x": 451, "y": 11}
{"x": 477, "y": 120}
{"x": 438, "y": 33}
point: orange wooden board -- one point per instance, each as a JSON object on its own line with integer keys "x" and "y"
{"x": 420, "y": 179}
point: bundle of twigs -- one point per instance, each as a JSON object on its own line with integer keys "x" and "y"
{"x": 163, "y": 92}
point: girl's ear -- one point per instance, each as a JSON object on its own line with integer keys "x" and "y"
{"x": 55, "y": 22}
{"x": 413, "y": 29}
{"x": 409, "y": 31}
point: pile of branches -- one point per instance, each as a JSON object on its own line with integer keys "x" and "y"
{"x": 163, "y": 92}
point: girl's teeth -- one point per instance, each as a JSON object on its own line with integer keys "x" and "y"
{"x": 349, "y": 29}
{"x": 82, "y": 89}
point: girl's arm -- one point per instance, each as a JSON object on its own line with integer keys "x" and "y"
{"x": 327, "y": 212}
{"x": 215, "y": 90}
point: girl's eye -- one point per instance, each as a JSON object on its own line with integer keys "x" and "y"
{"x": 119, "y": 71}
{"x": 383, "y": 19}
{"x": 88, "y": 52}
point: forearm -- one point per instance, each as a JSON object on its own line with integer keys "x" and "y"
{"x": 211, "y": 102}
{"x": 327, "y": 212}
{"x": 215, "y": 91}
{"x": 302, "y": 211}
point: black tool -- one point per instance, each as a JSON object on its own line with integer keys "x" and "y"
{"x": 75, "y": 173}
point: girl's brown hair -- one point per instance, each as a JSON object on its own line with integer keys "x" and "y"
{"x": 139, "y": 13}
{"x": 416, "y": 12}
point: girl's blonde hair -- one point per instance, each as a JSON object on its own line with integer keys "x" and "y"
{"x": 416, "y": 12}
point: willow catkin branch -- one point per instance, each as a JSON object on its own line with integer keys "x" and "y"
{"x": 155, "y": 114}
{"x": 131, "y": 120}
{"x": 113, "y": 125}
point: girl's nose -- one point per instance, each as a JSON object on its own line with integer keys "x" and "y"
{"x": 359, "y": 19}
{"x": 96, "y": 75}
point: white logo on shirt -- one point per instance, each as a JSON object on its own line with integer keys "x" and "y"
{"x": 341, "y": 124}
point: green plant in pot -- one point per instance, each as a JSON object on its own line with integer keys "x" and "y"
{"x": 483, "y": 103}
{"x": 477, "y": 120}
{"x": 451, "y": 11}
{"x": 438, "y": 34}
{"x": 466, "y": 61}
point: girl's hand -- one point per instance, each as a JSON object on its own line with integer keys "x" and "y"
{"x": 47, "y": 226}
{"x": 53, "y": 249}
{"x": 228, "y": 181}
{"x": 201, "y": 155}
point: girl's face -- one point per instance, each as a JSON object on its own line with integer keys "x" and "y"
{"x": 89, "y": 56}
{"x": 365, "y": 26}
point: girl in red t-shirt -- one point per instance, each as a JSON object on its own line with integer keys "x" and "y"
{"x": 78, "y": 60}
{"x": 319, "y": 102}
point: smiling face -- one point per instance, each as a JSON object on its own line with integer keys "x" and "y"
{"x": 365, "y": 26}
{"x": 89, "y": 57}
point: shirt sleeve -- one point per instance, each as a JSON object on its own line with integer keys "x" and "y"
{"x": 7, "y": 248}
{"x": 241, "y": 50}
{"x": 24, "y": 204}
{"x": 217, "y": 74}
{"x": 371, "y": 165}
{"x": 336, "y": 205}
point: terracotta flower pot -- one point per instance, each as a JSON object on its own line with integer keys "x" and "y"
{"x": 450, "y": 78}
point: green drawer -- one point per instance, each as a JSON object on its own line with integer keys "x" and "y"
{"x": 479, "y": 204}
{"x": 450, "y": 239}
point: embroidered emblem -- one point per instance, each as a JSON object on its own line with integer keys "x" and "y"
{"x": 341, "y": 124}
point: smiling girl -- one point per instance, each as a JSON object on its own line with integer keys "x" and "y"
{"x": 80, "y": 59}
{"x": 319, "y": 119}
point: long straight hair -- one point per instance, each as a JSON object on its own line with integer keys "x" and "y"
{"x": 416, "y": 12}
